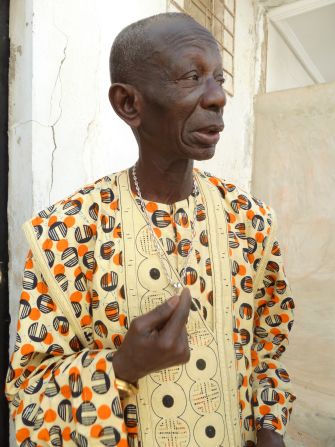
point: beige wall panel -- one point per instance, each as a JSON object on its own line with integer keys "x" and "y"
{"x": 294, "y": 171}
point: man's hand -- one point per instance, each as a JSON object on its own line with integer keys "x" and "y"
{"x": 268, "y": 438}
{"x": 155, "y": 341}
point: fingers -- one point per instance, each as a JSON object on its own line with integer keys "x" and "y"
{"x": 178, "y": 319}
{"x": 157, "y": 317}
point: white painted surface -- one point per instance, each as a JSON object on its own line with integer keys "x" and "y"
{"x": 281, "y": 9}
{"x": 275, "y": 3}
{"x": 233, "y": 159}
{"x": 284, "y": 70}
{"x": 71, "y": 53}
{"x": 316, "y": 31}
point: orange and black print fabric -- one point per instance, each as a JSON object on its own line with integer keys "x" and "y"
{"x": 74, "y": 314}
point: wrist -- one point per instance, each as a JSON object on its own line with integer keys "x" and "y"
{"x": 269, "y": 438}
{"x": 122, "y": 371}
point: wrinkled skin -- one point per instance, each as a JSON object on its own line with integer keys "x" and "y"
{"x": 175, "y": 112}
{"x": 169, "y": 111}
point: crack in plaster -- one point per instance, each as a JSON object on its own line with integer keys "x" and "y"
{"x": 86, "y": 150}
{"x": 52, "y": 159}
{"x": 52, "y": 126}
{"x": 23, "y": 123}
{"x": 89, "y": 127}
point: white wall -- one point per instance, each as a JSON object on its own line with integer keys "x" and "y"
{"x": 233, "y": 159}
{"x": 284, "y": 71}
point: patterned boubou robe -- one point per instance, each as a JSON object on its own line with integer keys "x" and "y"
{"x": 92, "y": 268}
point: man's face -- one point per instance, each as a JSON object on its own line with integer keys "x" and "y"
{"x": 183, "y": 94}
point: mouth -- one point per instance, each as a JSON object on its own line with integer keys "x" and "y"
{"x": 209, "y": 135}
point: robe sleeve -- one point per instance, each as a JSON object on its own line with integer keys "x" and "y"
{"x": 60, "y": 393}
{"x": 272, "y": 391}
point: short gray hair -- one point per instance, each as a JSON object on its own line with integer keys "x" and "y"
{"x": 133, "y": 46}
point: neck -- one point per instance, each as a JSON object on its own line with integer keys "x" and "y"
{"x": 163, "y": 181}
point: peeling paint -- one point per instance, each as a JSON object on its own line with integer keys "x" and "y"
{"x": 14, "y": 51}
{"x": 261, "y": 36}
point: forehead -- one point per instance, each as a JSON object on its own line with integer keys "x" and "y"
{"x": 178, "y": 42}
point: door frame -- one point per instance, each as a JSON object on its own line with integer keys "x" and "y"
{"x": 4, "y": 296}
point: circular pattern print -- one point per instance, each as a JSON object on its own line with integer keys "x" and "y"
{"x": 209, "y": 431}
{"x": 172, "y": 433}
{"x": 205, "y": 396}
{"x": 168, "y": 400}
{"x": 202, "y": 364}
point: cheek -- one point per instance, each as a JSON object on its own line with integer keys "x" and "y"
{"x": 172, "y": 122}
{"x": 168, "y": 114}
{"x": 191, "y": 112}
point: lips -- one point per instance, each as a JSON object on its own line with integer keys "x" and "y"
{"x": 213, "y": 128}
{"x": 209, "y": 135}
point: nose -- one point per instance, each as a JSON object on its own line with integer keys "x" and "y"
{"x": 214, "y": 97}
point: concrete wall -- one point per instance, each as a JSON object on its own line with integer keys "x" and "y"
{"x": 294, "y": 171}
{"x": 284, "y": 71}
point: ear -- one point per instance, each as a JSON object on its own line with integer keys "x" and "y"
{"x": 126, "y": 100}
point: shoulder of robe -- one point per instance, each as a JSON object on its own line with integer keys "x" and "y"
{"x": 73, "y": 222}
{"x": 247, "y": 216}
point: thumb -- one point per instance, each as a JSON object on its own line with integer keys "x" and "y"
{"x": 158, "y": 316}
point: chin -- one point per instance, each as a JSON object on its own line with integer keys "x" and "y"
{"x": 203, "y": 153}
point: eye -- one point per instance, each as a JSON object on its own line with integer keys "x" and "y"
{"x": 220, "y": 80}
{"x": 190, "y": 76}
{"x": 194, "y": 77}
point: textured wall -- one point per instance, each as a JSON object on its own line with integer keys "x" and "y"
{"x": 294, "y": 171}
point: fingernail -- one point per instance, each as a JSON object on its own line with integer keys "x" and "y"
{"x": 173, "y": 301}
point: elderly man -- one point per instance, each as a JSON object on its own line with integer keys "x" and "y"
{"x": 155, "y": 308}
